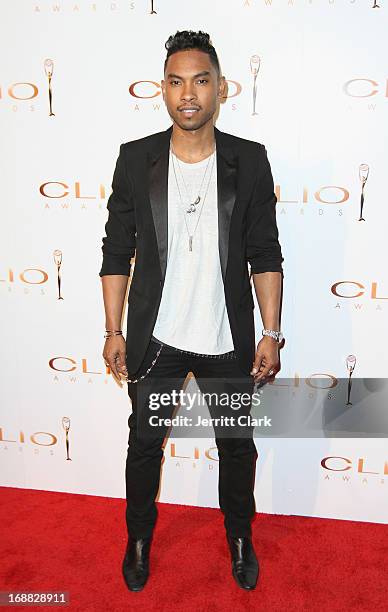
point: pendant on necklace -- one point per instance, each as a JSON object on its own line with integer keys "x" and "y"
{"x": 193, "y": 205}
{"x": 190, "y": 243}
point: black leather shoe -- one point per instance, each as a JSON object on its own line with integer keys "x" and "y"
{"x": 136, "y": 563}
{"x": 245, "y": 566}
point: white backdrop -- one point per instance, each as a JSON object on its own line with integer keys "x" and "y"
{"x": 322, "y": 97}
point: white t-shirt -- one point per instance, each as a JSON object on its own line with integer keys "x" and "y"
{"x": 192, "y": 313}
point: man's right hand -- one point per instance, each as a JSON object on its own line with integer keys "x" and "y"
{"x": 114, "y": 354}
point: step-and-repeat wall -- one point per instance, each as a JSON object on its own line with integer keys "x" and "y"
{"x": 308, "y": 79}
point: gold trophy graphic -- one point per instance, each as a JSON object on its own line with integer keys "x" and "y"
{"x": 255, "y": 67}
{"x": 66, "y": 427}
{"x": 363, "y": 173}
{"x": 49, "y": 69}
{"x": 58, "y": 260}
{"x": 152, "y": 8}
{"x": 350, "y": 364}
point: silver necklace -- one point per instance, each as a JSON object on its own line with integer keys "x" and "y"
{"x": 191, "y": 235}
{"x": 192, "y": 205}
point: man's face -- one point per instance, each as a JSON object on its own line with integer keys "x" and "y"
{"x": 191, "y": 88}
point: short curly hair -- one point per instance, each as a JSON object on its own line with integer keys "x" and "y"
{"x": 188, "y": 39}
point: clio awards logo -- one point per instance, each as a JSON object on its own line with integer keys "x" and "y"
{"x": 255, "y": 67}
{"x": 49, "y": 69}
{"x": 350, "y": 365}
{"x": 26, "y": 91}
{"x": 66, "y": 427}
{"x": 58, "y": 262}
{"x": 354, "y": 289}
{"x": 33, "y": 277}
{"x": 363, "y": 173}
{"x": 38, "y": 439}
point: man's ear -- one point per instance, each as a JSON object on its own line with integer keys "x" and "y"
{"x": 222, "y": 87}
{"x": 162, "y": 83}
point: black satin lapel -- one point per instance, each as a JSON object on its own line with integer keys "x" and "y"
{"x": 226, "y": 188}
{"x": 158, "y": 193}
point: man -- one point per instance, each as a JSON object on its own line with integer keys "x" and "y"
{"x": 196, "y": 205}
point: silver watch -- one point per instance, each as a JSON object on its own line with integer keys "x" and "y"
{"x": 277, "y": 335}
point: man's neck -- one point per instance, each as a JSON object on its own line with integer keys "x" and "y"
{"x": 192, "y": 146}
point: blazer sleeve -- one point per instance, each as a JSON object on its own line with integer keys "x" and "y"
{"x": 119, "y": 244}
{"x": 263, "y": 248}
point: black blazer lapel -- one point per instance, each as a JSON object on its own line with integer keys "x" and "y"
{"x": 158, "y": 194}
{"x": 226, "y": 188}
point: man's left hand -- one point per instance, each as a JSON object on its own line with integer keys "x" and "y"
{"x": 266, "y": 363}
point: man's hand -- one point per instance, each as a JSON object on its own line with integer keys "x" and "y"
{"x": 114, "y": 357}
{"x": 266, "y": 362}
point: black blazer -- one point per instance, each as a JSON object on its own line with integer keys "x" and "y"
{"x": 137, "y": 222}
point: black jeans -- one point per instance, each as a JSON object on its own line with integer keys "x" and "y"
{"x": 237, "y": 455}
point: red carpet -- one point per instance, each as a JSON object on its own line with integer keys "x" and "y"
{"x": 57, "y": 541}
